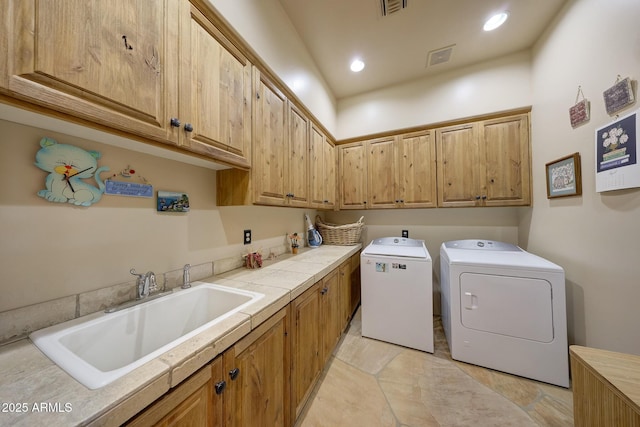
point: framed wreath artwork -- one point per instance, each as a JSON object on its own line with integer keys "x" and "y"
{"x": 564, "y": 177}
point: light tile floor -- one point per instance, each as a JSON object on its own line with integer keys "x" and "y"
{"x": 373, "y": 383}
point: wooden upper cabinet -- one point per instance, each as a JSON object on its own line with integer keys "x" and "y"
{"x": 215, "y": 92}
{"x": 111, "y": 63}
{"x": 297, "y": 173}
{"x": 353, "y": 179}
{"x": 457, "y": 154}
{"x": 381, "y": 173}
{"x": 416, "y": 170}
{"x": 280, "y": 172}
{"x": 329, "y": 179}
{"x": 507, "y": 162}
{"x": 400, "y": 172}
{"x": 270, "y": 155}
{"x": 158, "y": 69}
{"x": 485, "y": 163}
{"x": 322, "y": 165}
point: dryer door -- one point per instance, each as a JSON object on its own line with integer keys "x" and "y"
{"x": 519, "y": 307}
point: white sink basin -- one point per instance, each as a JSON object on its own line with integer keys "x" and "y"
{"x": 100, "y": 348}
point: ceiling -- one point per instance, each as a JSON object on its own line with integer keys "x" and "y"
{"x": 395, "y": 47}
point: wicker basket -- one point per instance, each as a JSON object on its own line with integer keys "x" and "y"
{"x": 348, "y": 234}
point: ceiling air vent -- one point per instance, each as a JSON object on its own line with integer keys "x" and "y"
{"x": 440, "y": 56}
{"x": 389, "y": 7}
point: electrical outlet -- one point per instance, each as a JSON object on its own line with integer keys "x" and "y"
{"x": 247, "y": 237}
{"x": 405, "y": 233}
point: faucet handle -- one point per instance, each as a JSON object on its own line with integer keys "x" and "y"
{"x": 186, "y": 276}
{"x": 153, "y": 286}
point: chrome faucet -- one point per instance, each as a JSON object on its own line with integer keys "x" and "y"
{"x": 186, "y": 278}
{"x": 145, "y": 283}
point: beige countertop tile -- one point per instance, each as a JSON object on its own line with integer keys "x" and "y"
{"x": 49, "y": 396}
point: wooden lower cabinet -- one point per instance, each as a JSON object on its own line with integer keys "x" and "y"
{"x": 356, "y": 292}
{"x": 330, "y": 315}
{"x": 318, "y": 318}
{"x": 305, "y": 344}
{"x": 246, "y": 386}
{"x": 266, "y": 378}
{"x": 258, "y": 369}
{"x": 345, "y": 292}
{"x": 192, "y": 403}
{"x": 605, "y": 388}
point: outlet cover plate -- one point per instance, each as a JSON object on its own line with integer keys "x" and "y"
{"x": 247, "y": 237}
{"x": 405, "y": 233}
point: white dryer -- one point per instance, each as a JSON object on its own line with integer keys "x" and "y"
{"x": 397, "y": 296}
{"x": 504, "y": 308}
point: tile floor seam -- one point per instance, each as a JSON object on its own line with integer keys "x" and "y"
{"x": 369, "y": 359}
{"x": 386, "y": 398}
{"x": 524, "y": 409}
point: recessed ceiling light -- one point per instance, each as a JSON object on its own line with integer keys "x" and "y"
{"x": 357, "y": 65}
{"x": 495, "y": 21}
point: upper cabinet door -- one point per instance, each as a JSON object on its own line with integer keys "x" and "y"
{"x": 215, "y": 92}
{"x": 505, "y": 142}
{"x": 416, "y": 169}
{"x": 316, "y": 167}
{"x": 110, "y": 63}
{"x": 353, "y": 182}
{"x": 381, "y": 166}
{"x": 457, "y": 148}
{"x": 298, "y": 165}
{"x": 270, "y": 154}
{"x": 322, "y": 180}
{"x": 329, "y": 181}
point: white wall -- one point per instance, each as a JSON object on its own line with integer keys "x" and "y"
{"x": 266, "y": 28}
{"x": 498, "y": 85}
{"x": 595, "y": 237}
{"x": 52, "y": 250}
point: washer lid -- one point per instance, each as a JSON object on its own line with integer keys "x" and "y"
{"x": 397, "y": 246}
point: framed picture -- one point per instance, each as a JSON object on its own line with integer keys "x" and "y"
{"x": 616, "y": 151}
{"x": 564, "y": 177}
{"x": 618, "y": 96}
{"x": 169, "y": 201}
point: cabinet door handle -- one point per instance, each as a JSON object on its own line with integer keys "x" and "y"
{"x": 220, "y": 386}
{"x": 234, "y": 373}
{"x": 484, "y": 197}
{"x": 324, "y": 291}
{"x": 175, "y": 122}
{"x": 188, "y": 127}
{"x": 477, "y": 197}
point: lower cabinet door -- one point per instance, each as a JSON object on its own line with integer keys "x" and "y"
{"x": 257, "y": 374}
{"x": 188, "y": 404}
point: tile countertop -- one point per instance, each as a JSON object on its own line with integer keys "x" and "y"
{"x": 34, "y": 391}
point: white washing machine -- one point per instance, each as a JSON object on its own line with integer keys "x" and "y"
{"x": 504, "y": 308}
{"x": 397, "y": 300}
